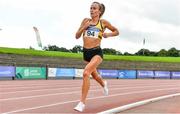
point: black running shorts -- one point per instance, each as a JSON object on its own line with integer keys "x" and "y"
{"x": 88, "y": 54}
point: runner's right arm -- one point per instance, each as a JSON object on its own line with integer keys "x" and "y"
{"x": 85, "y": 23}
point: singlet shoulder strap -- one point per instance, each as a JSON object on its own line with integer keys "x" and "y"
{"x": 102, "y": 27}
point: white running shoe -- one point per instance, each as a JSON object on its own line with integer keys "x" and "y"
{"x": 80, "y": 107}
{"x": 105, "y": 88}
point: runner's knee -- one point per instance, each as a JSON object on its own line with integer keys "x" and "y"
{"x": 86, "y": 73}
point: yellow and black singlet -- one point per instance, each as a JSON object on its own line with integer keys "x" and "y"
{"x": 94, "y": 31}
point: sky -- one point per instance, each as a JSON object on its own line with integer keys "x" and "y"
{"x": 156, "y": 21}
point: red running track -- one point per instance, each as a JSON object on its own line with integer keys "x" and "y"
{"x": 60, "y": 96}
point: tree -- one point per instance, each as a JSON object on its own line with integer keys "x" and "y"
{"x": 143, "y": 52}
{"x": 62, "y": 49}
{"x": 126, "y": 53}
{"x": 55, "y": 48}
{"x": 52, "y": 48}
{"x": 118, "y": 53}
{"x": 109, "y": 51}
{"x": 162, "y": 53}
{"x": 77, "y": 49}
{"x": 152, "y": 53}
{"x": 173, "y": 52}
{"x": 31, "y": 48}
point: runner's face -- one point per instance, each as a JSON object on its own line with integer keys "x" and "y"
{"x": 94, "y": 10}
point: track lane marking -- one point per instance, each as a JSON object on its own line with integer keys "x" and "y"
{"x": 91, "y": 98}
{"x": 62, "y": 93}
{"x": 136, "y": 104}
{"x": 70, "y": 88}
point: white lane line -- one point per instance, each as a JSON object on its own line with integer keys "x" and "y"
{"x": 56, "y": 85}
{"x": 25, "y": 91}
{"x": 56, "y": 89}
{"x": 38, "y": 86}
{"x": 64, "y": 88}
{"x": 73, "y": 92}
{"x": 43, "y": 82}
{"x": 12, "y": 86}
{"x": 136, "y": 104}
{"x": 91, "y": 98}
{"x": 21, "y": 91}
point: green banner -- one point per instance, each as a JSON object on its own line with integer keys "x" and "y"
{"x": 30, "y": 72}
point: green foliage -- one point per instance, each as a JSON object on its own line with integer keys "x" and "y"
{"x": 55, "y": 48}
{"x": 79, "y": 55}
{"x": 109, "y": 51}
{"x": 173, "y": 52}
{"x": 162, "y": 53}
{"x": 77, "y": 49}
{"x": 127, "y": 54}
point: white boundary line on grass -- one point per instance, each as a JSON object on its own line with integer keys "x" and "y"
{"x": 136, "y": 104}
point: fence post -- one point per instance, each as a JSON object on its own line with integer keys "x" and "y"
{"x": 13, "y": 77}
{"x": 47, "y": 65}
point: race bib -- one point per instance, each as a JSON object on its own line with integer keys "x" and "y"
{"x": 92, "y": 32}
